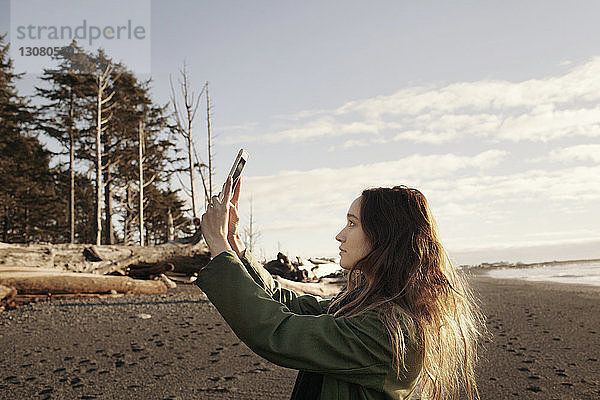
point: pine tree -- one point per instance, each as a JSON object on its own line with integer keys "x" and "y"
{"x": 160, "y": 204}
{"x": 64, "y": 114}
{"x": 27, "y": 195}
{"x": 83, "y": 206}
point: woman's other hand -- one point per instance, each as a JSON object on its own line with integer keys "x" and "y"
{"x": 215, "y": 222}
{"x": 234, "y": 218}
{"x": 233, "y": 237}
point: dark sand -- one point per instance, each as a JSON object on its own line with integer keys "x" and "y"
{"x": 545, "y": 340}
{"x": 545, "y": 345}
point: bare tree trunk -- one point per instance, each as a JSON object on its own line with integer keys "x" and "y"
{"x": 191, "y": 166}
{"x": 5, "y": 223}
{"x": 126, "y": 228}
{"x": 102, "y": 84}
{"x": 170, "y": 226}
{"x": 200, "y": 166}
{"x": 184, "y": 125}
{"x": 110, "y": 231}
{"x": 26, "y": 223}
{"x": 210, "y": 169}
{"x": 147, "y": 236}
{"x": 127, "y": 224}
{"x": 71, "y": 173}
{"x": 251, "y": 234}
{"x": 141, "y": 183}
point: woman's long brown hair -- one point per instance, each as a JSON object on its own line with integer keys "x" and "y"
{"x": 421, "y": 298}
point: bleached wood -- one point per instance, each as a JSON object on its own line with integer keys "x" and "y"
{"x": 35, "y": 282}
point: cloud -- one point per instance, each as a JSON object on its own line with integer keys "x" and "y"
{"x": 300, "y": 115}
{"x": 537, "y": 110}
{"x": 568, "y": 184}
{"x": 362, "y": 142}
{"x": 583, "y": 152}
{"x": 250, "y": 126}
{"x": 299, "y": 196}
{"x": 471, "y": 205}
{"x": 325, "y": 126}
{"x": 545, "y": 123}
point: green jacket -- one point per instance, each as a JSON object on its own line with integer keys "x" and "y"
{"x": 353, "y": 353}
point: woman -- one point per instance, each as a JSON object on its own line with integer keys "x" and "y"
{"x": 405, "y": 315}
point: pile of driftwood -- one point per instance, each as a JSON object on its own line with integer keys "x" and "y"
{"x": 30, "y": 272}
{"x": 290, "y": 276}
{"x": 284, "y": 268}
{"x": 290, "y": 270}
{"x": 34, "y": 271}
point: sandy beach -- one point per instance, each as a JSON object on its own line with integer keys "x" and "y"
{"x": 544, "y": 344}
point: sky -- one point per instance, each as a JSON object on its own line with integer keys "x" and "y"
{"x": 491, "y": 109}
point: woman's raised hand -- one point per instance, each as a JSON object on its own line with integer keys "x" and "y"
{"x": 215, "y": 221}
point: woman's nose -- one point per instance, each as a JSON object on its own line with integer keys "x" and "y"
{"x": 339, "y": 237}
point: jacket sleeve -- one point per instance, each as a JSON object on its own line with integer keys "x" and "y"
{"x": 353, "y": 349}
{"x": 304, "y": 304}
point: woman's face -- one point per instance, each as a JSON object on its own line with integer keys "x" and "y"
{"x": 353, "y": 241}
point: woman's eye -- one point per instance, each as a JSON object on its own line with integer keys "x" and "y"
{"x": 351, "y": 223}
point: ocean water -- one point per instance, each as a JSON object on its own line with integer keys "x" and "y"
{"x": 586, "y": 273}
{"x": 583, "y": 273}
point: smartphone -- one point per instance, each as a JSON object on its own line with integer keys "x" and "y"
{"x": 238, "y": 166}
{"x": 236, "y": 170}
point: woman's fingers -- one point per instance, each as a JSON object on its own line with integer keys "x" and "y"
{"x": 236, "y": 192}
{"x": 227, "y": 194}
{"x": 233, "y": 215}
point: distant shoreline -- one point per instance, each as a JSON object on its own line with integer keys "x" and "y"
{"x": 504, "y": 264}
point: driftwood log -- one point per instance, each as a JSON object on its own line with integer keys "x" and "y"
{"x": 33, "y": 281}
{"x": 319, "y": 261}
{"x": 7, "y": 296}
{"x": 147, "y": 271}
{"x": 326, "y": 288}
{"x": 6, "y": 292}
